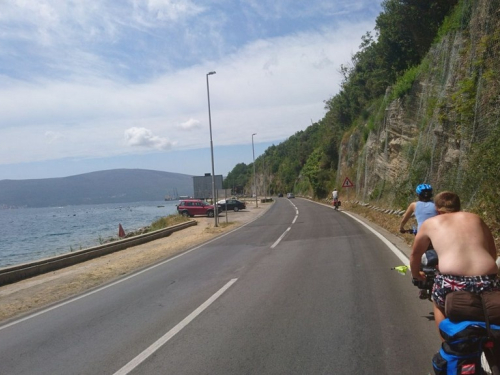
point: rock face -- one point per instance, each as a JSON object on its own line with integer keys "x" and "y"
{"x": 428, "y": 135}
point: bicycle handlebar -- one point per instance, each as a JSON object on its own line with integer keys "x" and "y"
{"x": 411, "y": 231}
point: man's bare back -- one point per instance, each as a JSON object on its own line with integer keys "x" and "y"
{"x": 465, "y": 248}
{"x": 463, "y": 242}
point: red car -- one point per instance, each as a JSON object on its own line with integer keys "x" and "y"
{"x": 192, "y": 207}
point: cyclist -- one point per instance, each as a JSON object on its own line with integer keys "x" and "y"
{"x": 424, "y": 208}
{"x": 335, "y": 197}
{"x": 465, "y": 248}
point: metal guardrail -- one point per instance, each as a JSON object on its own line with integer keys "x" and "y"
{"x": 23, "y": 271}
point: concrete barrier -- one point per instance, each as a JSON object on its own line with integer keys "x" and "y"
{"x": 23, "y": 271}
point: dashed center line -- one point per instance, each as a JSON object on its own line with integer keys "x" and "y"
{"x": 287, "y": 229}
{"x": 165, "y": 338}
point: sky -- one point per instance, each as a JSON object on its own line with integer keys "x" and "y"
{"x": 103, "y": 84}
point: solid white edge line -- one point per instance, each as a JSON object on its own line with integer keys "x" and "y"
{"x": 121, "y": 280}
{"x": 402, "y": 257}
{"x": 165, "y": 338}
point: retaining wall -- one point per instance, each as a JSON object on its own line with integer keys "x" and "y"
{"x": 23, "y": 271}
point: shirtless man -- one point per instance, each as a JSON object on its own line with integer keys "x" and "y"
{"x": 465, "y": 248}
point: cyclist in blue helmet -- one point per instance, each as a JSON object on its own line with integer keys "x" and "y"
{"x": 423, "y": 209}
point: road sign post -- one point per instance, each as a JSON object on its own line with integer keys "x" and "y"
{"x": 347, "y": 184}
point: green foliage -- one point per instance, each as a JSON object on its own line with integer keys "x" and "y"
{"x": 238, "y": 178}
{"x": 482, "y": 182}
{"x": 407, "y": 29}
{"x": 464, "y": 99}
{"x": 457, "y": 20}
{"x": 312, "y": 172}
{"x": 404, "y": 84}
{"x": 308, "y": 160}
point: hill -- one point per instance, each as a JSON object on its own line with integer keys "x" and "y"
{"x": 111, "y": 186}
{"x": 418, "y": 104}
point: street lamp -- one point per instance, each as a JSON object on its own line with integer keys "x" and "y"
{"x": 254, "y": 176}
{"x": 212, "y": 152}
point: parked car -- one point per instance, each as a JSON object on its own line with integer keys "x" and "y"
{"x": 290, "y": 195}
{"x": 280, "y": 195}
{"x": 192, "y": 207}
{"x": 231, "y": 204}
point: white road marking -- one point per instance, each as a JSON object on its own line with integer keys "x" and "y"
{"x": 165, "y": 338}
{"x": 287, "y": 229}
{"x": 123, "y": 279}
{"x": 279, "y": 239}
{"x": 402, "y": 257}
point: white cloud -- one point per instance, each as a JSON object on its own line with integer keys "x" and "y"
{"x": 190, "y": 124}
{"x": 171, "y": 9}
{"x": 93, "y": 71}
{"x": 143, "y": 137}
{"x": 274, "y": 87}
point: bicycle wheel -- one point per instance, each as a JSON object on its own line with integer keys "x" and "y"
{"x": 485, "y": 365}
{"x": 489, "y": 363}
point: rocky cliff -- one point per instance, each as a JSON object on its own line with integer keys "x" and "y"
{"x": 434, "y": 133}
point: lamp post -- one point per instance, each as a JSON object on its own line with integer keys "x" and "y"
{"x": 264, "y": 176}
{"x": 212, "y": 152}
{"x": 254, "y": 175}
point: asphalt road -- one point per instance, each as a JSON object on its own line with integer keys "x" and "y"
{"x": 303, "y": 289}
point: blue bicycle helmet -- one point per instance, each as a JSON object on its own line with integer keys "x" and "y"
{"x": 423, "y": 188}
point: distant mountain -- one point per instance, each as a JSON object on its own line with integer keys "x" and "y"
{"x": 111, "y": 186}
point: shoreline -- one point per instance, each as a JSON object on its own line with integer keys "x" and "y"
{"x": 39, "y": 292}
{"x": 36, "y": 233}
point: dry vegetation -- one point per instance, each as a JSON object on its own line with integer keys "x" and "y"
{"x": 390, "y": 222}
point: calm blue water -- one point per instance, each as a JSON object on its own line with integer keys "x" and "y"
{"x": 28, "y": 234}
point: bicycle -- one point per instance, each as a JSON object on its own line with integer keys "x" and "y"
{"x": 490, "y": 348}
{"x": 336, "y": 204}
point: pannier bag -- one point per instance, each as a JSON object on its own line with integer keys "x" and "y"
{"x": 462, "y": 305}
{"x": 461, "y": 351}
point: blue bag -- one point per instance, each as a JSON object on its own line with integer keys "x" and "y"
{"x": 460, "y": 353}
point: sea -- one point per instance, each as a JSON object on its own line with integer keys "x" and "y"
{"x": 29, "y": 234}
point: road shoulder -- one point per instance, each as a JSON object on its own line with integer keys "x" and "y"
{"x": 41, "y": 291}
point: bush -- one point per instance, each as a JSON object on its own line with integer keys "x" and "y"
{"x": 167, "y": 221}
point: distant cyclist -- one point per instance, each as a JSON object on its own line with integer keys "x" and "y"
{"x": 423, "y": 209}
{"x": 335, "y": 197}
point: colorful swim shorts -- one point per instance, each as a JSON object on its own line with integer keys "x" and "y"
{"x": 444, "y": 284}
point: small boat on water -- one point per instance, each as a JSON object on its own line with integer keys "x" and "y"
{"x": 172, "y": 197}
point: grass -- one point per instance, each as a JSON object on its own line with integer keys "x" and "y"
{"x": 161, "y": 223}
{"x": 167, "y": 221}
